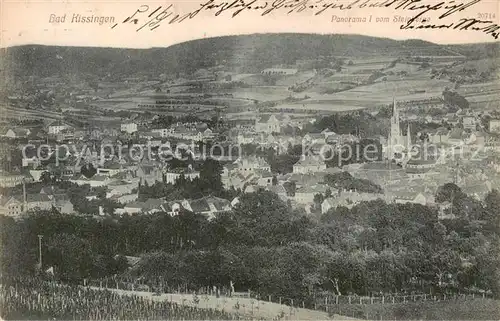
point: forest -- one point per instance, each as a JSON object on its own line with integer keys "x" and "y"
{"x": 266, "y": 246}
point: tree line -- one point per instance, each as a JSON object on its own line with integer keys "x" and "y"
{"x": 265, "y": 245}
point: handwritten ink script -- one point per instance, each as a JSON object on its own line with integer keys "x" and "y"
{"x": 146, "y": 17}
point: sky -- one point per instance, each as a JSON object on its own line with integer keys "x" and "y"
{"x": 41, "y": 22}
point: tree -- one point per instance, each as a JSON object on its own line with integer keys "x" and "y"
{"x": 492, "y": 208}
{"x": 88, "y": 170}
{"x": 448, "y": 193}
{"x": 328, "y": 193}
{"x": 454, "y": 99}
{"x": 290, "y": 188}
{"x": 62, "y": 253}
{"x": 318, "y": 199}
{"x": 45, "y": 178}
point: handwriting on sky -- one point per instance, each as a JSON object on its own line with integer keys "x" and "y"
{"x": 148, "y": 17}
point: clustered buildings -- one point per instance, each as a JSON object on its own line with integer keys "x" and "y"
{"x": 462, "y": 153}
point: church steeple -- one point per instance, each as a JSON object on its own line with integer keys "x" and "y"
{"x": 408, "y": 137}
{"x": 395, "y": 139}
{"x": 395, "y": 113}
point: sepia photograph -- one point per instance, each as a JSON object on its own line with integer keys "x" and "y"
{"x": 288, "y": 174}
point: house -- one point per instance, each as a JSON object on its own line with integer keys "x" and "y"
{"x": 235, "y": 202}
{"x": 494, "y": 125}
{"x": 381, "y": 173}
{"x": 208, "y": 206}
{"x": 305, "y": 195}
{"x": 38, "y": 201}
{"x": 11, "y": 180}
{"x": 278, "y": 190}
{"x": 17, "y": 133}
{"x": 250, "y": 164}
{"x": 267, "y": 124}
{"x": 309, "y": 164}
{"x": 63, "y": 205}
{"x": 129, "y": 128}
{"x": 263, "y": 177}
{"x": 348, "y": 199}
{"x": 271, "y": 123}
{"x": 234, "y": 179}
{"x": 172, "y": 175}
{"x": 469, "y": 122}
{"x": 149, "y": 173}
{"x": 445, "y": 211}
{"x": 162, "y": 132}
{"x": 52, "y": 192}
{"x": 121, "y": 187}
{"x": 149, "y": 135}
{"x": 32, "y": 162}
{"x": 190, "y": 132}
{"x": 300, "y": 180}
{"x": 94, "y": 181}
{"x": 11, "y": 206}
{"x": 440, "y": 136}
{"x": 338, "y": 140}
{"x": 251, "y": 189}
{"x": 279, "y": 71}
{"x": 126, "y": 198}
{"x": 110, "y": 168}
{"x": 414, "y": 197}
{"x": 314, "y": 138}
{"x": 247, "y": 138}
{"x": 150, "y": 206}
{"x": 57, "y": 127}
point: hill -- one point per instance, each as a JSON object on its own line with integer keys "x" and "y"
{"x": 248, "y": 53}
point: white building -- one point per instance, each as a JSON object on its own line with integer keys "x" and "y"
{"x": 271, "y": 123}
{"x": 17, "y": 133}
{"x": 348, "y": 199}
{"x": 279, "y": 71}
{"x": 309, "y": 164}
{"x": 250, "y": 164}
{"x": 469, "y": 122}
{"x": 129, "y": 128}
{"x": 495, "y": 125}
{"x": 171, "y": 176}
{"x": 57, "y": 127}
{"x": 162, "y": 132}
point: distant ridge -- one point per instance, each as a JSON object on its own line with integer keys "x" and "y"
{"x": 249, "y": 53}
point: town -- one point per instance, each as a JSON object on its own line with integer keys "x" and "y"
{"x": 323, "y": 139}
{"x": 302, "y": 160}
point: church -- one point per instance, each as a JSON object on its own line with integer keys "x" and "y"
{"x": 396, "y": 142}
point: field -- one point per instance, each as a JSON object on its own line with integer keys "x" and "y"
{"x": 483, "y": 95}
{"x": 331, "y": 106}
{"x": 325, "y": 90}
{"x": 478, "y": 309}
{"x": 247, "y": 306}
{"x": 262, "y": 93}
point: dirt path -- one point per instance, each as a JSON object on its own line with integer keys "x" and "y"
{"x": 250, "y": 307}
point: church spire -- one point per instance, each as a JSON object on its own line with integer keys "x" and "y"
{"x": 408, "y": 137}
{"x": 394, "y": 108}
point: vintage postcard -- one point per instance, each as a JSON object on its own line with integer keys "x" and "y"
{"x": 250, "y": 160}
